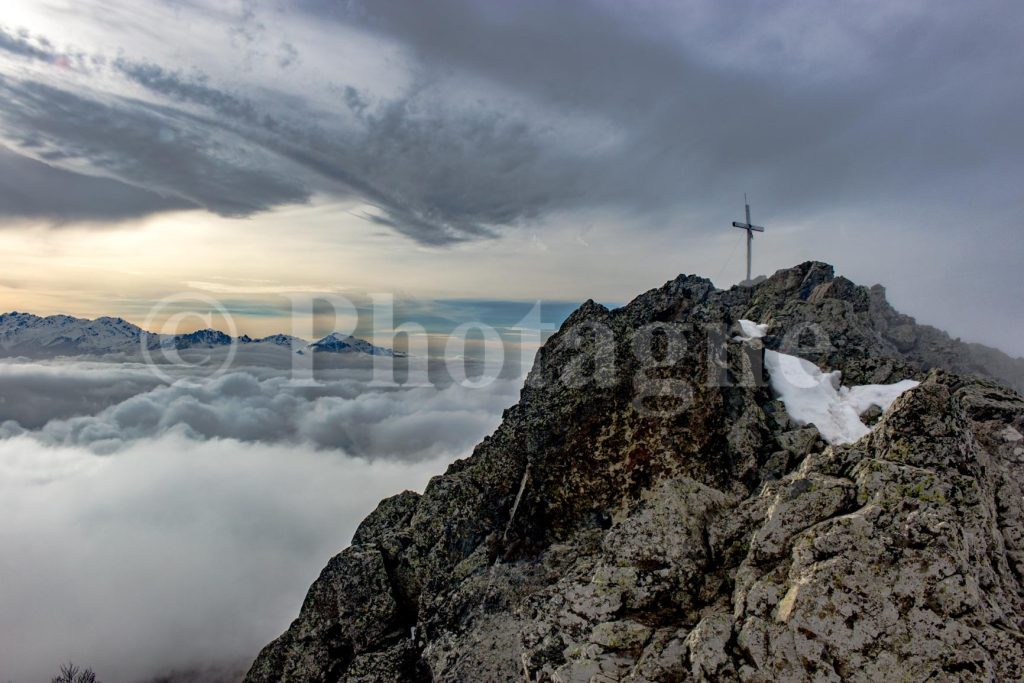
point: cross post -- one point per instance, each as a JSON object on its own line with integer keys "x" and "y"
{"x": 750, "y": 228}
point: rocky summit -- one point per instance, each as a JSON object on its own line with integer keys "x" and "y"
{"x": 650, "y": 511}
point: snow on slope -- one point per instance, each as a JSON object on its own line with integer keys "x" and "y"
{"x": 815, "y": 397}
{"x": 812, "y": 396}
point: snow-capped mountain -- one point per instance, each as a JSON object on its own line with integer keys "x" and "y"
{"x": 346, "y": 343}
{"x": 27, "y": 334}
{"x": 207, "y": 339}
{"x": 24, "y": 334}
{"x": 286, "y": 340}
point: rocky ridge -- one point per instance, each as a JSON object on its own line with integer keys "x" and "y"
{"x": 649, "y": 512}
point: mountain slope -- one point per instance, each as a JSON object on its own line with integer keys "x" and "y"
{"x": 611, "y": 530}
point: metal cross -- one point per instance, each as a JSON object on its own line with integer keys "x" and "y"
{"x": 750, "y": 228}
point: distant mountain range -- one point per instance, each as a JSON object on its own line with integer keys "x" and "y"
{"x": 24, "y": 334}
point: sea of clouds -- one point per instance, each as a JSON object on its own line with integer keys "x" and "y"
{"x": 150, "y": 527}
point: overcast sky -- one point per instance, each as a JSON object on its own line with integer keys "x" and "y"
{"x": 509, "y": 150}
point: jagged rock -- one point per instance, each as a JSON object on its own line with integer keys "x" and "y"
{"x": 350, "y": 611}
{"x": 392, "y": 513}
{"x": 649, "y": 512}
{"x": 914, "y": 582}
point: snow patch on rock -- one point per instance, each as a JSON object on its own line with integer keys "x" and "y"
{"x": 752, "y": 330}
{"x": 812, "y": 396}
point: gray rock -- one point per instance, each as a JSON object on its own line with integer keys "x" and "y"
{"x": 612, "y": 531}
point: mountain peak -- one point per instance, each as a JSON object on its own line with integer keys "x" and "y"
{"x": 281, "y": 340}
{"x": 336, "y": 342}
{"x": 651, "y": 510}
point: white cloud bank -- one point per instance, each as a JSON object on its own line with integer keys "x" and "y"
{"x": 106, "y": 407}
{"x": 180, "y": 527}
{"x": 173, "y": 553}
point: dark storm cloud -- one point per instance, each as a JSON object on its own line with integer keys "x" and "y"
{"x": 437, "y": 176}
{"x": 32, "y": 189}
{"x": 921, "y": 99}
{"x": 194, "y": 90}
{"x": 518, "y": 110}
{"x": 165, "y": 150}
{"x": 288, "y": 54}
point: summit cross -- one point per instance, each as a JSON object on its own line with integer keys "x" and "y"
{"x": 750, "y": 228}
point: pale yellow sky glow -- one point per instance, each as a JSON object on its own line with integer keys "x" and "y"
{"x": 120, "y": 270}
{"x": 253, "y": 265}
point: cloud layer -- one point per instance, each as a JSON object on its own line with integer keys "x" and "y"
{"x": 33, "y": 394}
{"x": 151, "y": 527}
{"x": 107, "y": 407}
{"x": 114, "y": 406}
{"x": 173, "y": 554}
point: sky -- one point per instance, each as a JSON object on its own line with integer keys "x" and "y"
{"x": 470, "y": 149}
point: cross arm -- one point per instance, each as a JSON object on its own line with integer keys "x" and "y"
{"x": 747, "y": 226}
